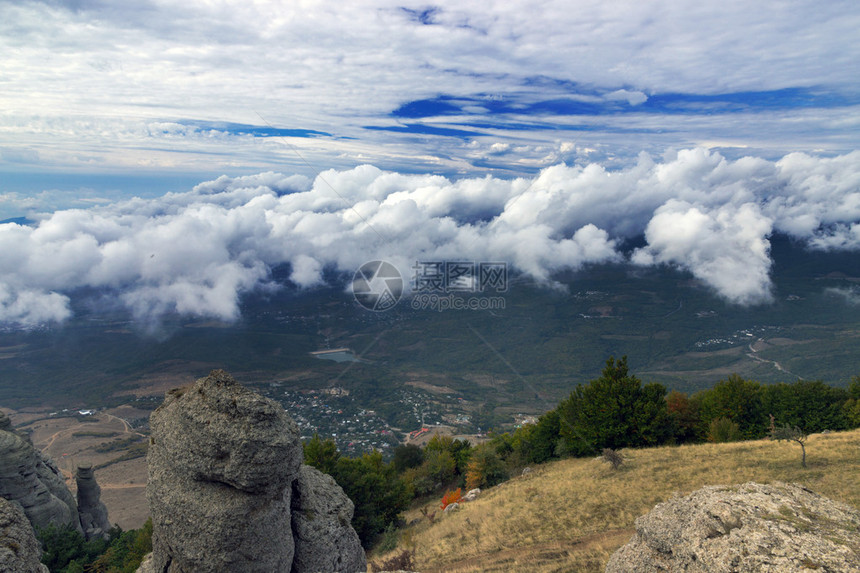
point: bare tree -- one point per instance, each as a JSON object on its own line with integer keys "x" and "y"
{"x": 612, "y": 457}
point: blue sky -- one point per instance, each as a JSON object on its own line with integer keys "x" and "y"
{"x": 143, "y": 94}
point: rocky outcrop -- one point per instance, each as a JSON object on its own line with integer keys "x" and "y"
{"x": 751, "y": 527}
{"x": 321, "y": 522}
{"x": 91, "y": 511}
{"x": 19, "y": 550}
{"x": 33, "y": 481}
{"x": 224, "y": 463}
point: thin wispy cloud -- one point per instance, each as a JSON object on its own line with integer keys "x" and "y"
{"x": 149, "y": 86}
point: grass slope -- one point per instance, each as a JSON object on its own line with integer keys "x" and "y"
{"x": 573, "y": 514}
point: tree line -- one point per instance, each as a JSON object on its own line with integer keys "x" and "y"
{"x": 613, "y": 411}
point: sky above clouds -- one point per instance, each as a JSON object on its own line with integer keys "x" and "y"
{"x": 540, "y": 133}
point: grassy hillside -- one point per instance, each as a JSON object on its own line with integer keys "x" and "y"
{"x": 572, "y": 514}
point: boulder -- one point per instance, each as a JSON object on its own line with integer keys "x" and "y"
{"x": 91, "y": 511}
{"x": 322, "y": 530}
{"x": 222, "y": 461}
{"x": 219, "y": 431}
{"x": 746, "y": 528}
{"x": 19, "y": 550}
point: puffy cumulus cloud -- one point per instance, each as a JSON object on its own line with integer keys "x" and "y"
{"x": 726, "y": 247}
{"x": 198, "y": 252}
{"x": 31, "y": 308}
{"x": 819, "y": 198}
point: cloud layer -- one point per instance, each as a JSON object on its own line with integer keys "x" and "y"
{"x": 444, "y": 87}
{"x": 198, "y": 252}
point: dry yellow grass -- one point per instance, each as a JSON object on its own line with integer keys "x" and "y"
{"x": 571, "y": 515}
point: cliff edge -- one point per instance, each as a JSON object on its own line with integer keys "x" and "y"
{"x": 33, "y": 481}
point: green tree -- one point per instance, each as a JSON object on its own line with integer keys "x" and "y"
{"x": 376, "y": 490}
{"x": 407, "y": 456}
{"x": 65, "y": 549}
{"x": 685, "y": 417}
{"x": 458, "y": 449}
{"x": 545, "y": 438}
{"x": 614, "y": 411}
{"x": 738, "y": 400}
{"x": 532, "y": 443}
{"x": 851, "y": 406}
{"x": 126, "y": 551}
{"x": 810, "y": 405}
{"x": 486, "y": 468}
{"x": 321, "y": 454}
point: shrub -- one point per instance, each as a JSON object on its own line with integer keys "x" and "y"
{"x": 65, "y": 548}
{"x": 612, "y": 457}
{"x": 400, "y": 562}
{"x": 450, "y": 497}
{"x": 486, "y": 468}
{"x": 388, "y": 539}
{"x": 723, "y": 430}
{"x": 790, "y": 434}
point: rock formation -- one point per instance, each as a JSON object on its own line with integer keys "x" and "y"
{"x": 19, "y": 550}
{"x": 321, "y": 520}
{"x": 33, "y": 481}
{"x": 224, "y": 463}
{"x": 91, "y": 511}
{"x": 751, "y": 527}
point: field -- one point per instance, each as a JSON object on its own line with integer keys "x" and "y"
{"x": 573, "y": 514}
{"x": 106, "y": 441}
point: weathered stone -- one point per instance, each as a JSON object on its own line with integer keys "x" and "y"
{"x": 322, "y": 530}
{"x": 201, "y": 526}
{"x": 472, "y": 495}
{"x": 91, "y": 511}
{"x": 146, "y": 565}
{"x": 222, "y": 460}
{"x": 746, "y": 528}
{"x": 19, "y": 550}
{"x": 219, "y": 431}
{"x": 34, "y": 482}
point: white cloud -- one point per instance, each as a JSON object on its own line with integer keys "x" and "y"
{"x": 31, "y": 308}
{"x": 198, "y": 252}
{"x": 104, "y": 85}
{"x": 726, "y": 248}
